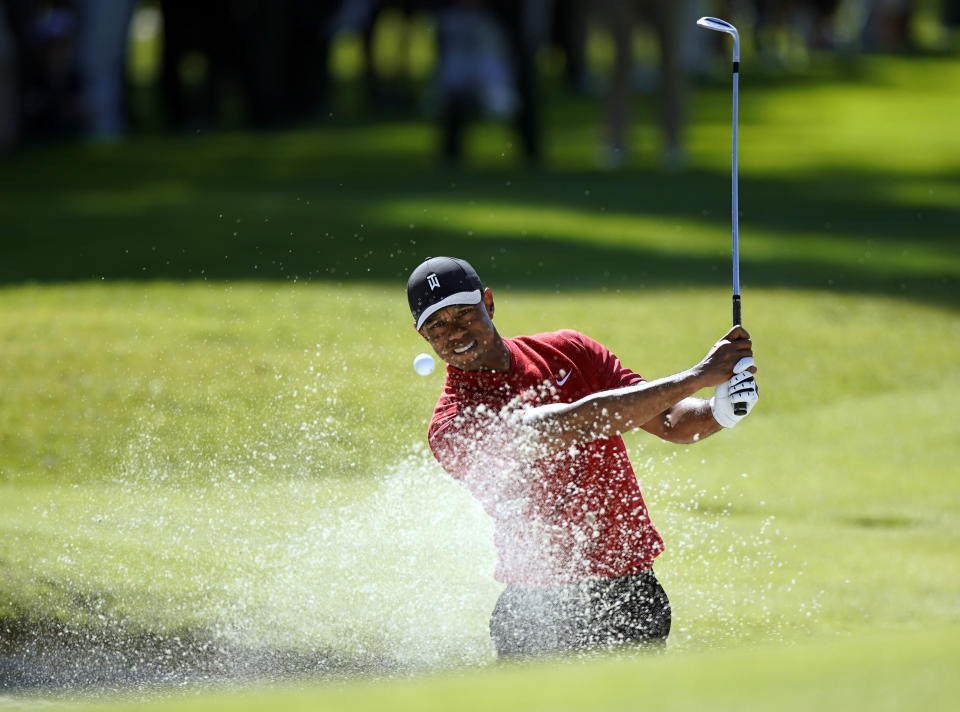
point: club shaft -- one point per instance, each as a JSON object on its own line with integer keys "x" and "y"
{"x": 735, "y": 207}
{"x": 739, "y": 408}
{"x": 718, "y": 25}
{"x": 713, "y": 23}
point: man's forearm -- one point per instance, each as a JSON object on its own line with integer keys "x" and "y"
{"x": 615, "y": 411}
{"x": 688, "y": 421}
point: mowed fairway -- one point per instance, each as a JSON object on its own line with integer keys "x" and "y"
{"x": 211, "y": 432}
{"x": 877, "y": 672}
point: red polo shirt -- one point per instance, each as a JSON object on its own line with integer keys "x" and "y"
{"x": 558, "y": 517}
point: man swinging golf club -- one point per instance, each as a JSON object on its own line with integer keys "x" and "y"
{"x": 531, "y": 426}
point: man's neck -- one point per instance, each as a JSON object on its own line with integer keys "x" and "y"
{"x": 502, "y": 360}
{"x": 496, "y": 359}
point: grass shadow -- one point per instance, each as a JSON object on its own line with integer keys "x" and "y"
{"x": 321, "y": 204}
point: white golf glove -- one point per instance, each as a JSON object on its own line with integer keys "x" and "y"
{"x": 742, "y": 388}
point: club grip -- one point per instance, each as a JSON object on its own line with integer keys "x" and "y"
{"x": 741, "y": 407}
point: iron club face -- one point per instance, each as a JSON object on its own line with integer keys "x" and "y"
{"x": 715, "y": 23}
{"x": 718, "y": 25}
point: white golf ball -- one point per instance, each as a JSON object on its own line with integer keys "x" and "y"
{"x": 423, "y": 364}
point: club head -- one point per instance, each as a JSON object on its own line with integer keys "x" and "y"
{"x": 713, "y": 23}
{"x": 718, "y": 25}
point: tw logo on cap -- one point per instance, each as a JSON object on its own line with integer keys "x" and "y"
{"x": 433, "y": 282}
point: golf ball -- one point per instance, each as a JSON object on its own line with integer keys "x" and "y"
{"x": 423, "y": 364}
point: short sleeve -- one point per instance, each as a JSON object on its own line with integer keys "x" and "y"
{"x": 608, "y": 370}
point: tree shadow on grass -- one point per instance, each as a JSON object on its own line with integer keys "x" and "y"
{"x": 247, "y": 210}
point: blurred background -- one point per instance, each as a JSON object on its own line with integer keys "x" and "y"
{"x": 340, "y": 121}
{"x": 100, "y": 70}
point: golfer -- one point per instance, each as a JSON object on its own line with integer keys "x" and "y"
{"x": 531, "y": 426}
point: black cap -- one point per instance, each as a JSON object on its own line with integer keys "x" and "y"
{"x": 441, "y": 282}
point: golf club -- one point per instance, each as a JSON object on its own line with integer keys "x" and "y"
{"x": 717, "y": 25}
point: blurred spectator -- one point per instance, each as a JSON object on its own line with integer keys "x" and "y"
{"x": 198, "y": 30}
{"x": 272, "y": 54}
{"x": 486, "y": 67}
{"x": 950, "y": 17}
{"x": 950, "y": 13}
{"x": 810, "y": 21}
{"x": 664, "y": 17}
{"x": 282, "y": 58}
{"x": 9, "y": 85}
{"x": 45, "y": 36}
{"x": 265, "y": 63}
{"x": 475, "y": 68}
{"x": 568, "y": 31}
{"x": 103, "y": 35}
{"x": 888, "y": 25}
{"x": 362, "y": 17}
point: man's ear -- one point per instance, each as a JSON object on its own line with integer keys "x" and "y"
{"x": 423, "y": 334}
{"x": 488, "y": 301}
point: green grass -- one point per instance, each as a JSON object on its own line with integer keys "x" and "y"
{"x": 164, "y": 422}
{"x": 879, "y": 671}
{"x": 209, "y": 424}
{"x": 906, "y": 671}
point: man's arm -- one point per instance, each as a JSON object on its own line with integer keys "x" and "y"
{"x": 664, "y": 407}
{"x": 688, "y": 421}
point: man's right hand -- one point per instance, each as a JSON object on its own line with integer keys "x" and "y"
{"x": 717, "y": 366}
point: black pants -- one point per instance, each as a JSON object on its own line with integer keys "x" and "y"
{"x": 597, "y": 613}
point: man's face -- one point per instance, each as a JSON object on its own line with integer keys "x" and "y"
{"x": 463, "y": 335}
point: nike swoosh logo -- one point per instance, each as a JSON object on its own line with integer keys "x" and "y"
{"x": 563, "y": 380}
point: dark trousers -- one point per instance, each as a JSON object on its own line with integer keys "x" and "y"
{"x": 592, "y": 614}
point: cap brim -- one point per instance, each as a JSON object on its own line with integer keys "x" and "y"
{"x": 469, "y": 298}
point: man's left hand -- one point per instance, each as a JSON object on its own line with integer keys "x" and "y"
{"x": 742, "y": 388}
